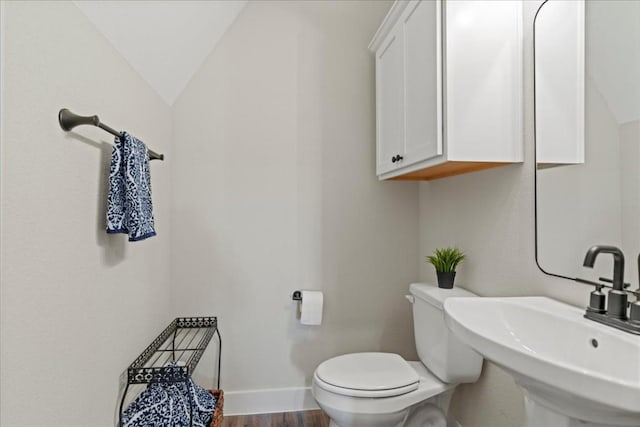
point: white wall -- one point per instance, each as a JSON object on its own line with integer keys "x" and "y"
{"x": 275, "y": 190}
{"x": 77, "y": 305}
{"x": 490, "y": 215}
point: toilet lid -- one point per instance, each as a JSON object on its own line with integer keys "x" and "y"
{"x": 368, "y": 374}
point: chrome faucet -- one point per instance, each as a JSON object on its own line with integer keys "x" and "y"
{"x": 616, "y": 313}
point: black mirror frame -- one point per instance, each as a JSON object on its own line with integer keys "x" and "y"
{"x": 535, "y": 154}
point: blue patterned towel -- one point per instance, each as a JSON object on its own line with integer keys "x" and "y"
{"x": 164, "y": 404}
{"x": 129, "y": 208}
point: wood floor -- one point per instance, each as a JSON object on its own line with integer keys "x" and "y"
{"x": 286, "y": 419}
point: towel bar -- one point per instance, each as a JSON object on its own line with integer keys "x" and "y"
{"x": 69, "y": 120}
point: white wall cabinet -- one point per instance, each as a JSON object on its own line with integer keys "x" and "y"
{"x": 448, "y": 88}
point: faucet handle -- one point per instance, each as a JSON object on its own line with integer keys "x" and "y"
{"x": 597, "y": 299}
{"x": 634, "y": 312}
{"x": 604, "y": 279}
{"x": 635, "y": 293}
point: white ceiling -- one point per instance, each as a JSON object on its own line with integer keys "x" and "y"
{"x": 165, "y": 41}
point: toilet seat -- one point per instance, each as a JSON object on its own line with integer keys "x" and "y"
{"x": 367, "y": 375}
{"x": 428, "y": 387}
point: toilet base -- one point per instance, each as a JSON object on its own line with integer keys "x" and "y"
{"x": 343, "y": 419}
{"x": 427, "y": 413}
{"x": 334, "y": 424}
{"x": 421, "y": 415}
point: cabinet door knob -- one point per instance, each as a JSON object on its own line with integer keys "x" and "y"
{"x": 399, "y": 157}
{"x": 393, "y": 159}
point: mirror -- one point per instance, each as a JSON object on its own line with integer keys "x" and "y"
{"x": 587, "y": 131}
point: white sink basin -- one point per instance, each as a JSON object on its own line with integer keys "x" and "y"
{"x": 571, "y": 368}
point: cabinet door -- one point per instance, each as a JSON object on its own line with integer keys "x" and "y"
{"x": 423, "y": 73}
{"x": 389, "y": 101}
{"x": 483, "y": 83}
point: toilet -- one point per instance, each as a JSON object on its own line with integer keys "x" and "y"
{"x": 384, "y": 390}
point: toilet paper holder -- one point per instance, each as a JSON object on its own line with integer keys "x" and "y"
{"x": 309, "y": 304}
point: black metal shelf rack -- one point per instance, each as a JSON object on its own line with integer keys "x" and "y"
{"x": 182, "y": 342}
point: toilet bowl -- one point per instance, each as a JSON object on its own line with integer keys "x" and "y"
{"x": 384, "y": 390}
{"x": 381, "y": 407}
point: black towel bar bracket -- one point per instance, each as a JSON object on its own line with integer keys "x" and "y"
{"x": 297, "y": 296}
{"x": 69, "y": 120}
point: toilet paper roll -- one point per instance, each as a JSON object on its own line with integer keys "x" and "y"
{"x": 311, "y": 308}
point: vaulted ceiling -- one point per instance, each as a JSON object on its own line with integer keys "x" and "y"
{"x": 165, "y": 41}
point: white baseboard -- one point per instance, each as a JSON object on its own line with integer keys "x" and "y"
{"x": 268, "y": 401}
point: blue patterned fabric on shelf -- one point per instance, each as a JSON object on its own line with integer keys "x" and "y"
{"x": 129, "y": 207}
{"x": 163, "y": 404}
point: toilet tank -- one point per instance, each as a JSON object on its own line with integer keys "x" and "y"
{"x": 439, "y": 350}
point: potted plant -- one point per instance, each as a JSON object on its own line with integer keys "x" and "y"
{"x": 445, "y": 261}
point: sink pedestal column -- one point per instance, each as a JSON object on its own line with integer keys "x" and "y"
{"x": 537, "y": 415}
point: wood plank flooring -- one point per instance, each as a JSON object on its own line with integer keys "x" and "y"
{"x": 285, "y": 419}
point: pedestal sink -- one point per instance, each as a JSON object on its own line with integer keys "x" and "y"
{"x": 575, "y": 372}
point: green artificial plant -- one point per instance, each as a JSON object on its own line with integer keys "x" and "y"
{"x": 446, "y": 259}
